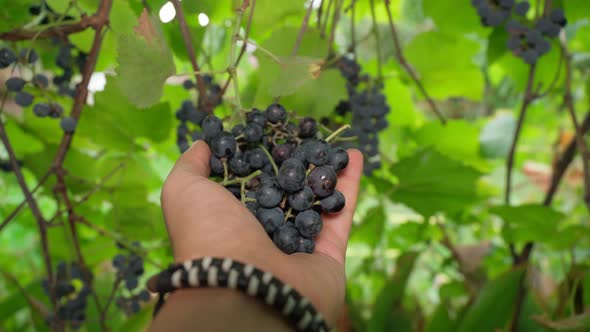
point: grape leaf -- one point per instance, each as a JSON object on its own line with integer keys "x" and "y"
{"x": 430, "y": 182}
{"x": 530, "y": 222}
{"x": 496, "y": 136}
{"x": 494, "y": 305}
{"x": 145, "y": 62}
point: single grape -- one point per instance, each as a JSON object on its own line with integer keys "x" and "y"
{"x": 306, "y": 245}
{"x": 68, "y": 125}
{"x": 338, "y": 158}
{"x": 286, "y": 238}
{"x": 270, "y": 219}
{"x": 253, "y": 132}
{"x": 239, "y": 165}
{"x": 308, "y": 127}
{"x": 211, "y": 126}
{"x": 322, "y": 181}
{"x": 223, "y": 144}
{"x": 41, "y": 110}
{"x": 188, "y": 84}
{"x": 235, "y": 190}
{"x": 23, "y": 99}
{"x": 41, "y": 81}
{"x": 238, "y": 130}
{"x": 291, "y": 175}
{"x": 143, "y": 296}
{"x": 216, "y": 166}
{"x": 7, "y": 57}
{"x": 256, "y": 116}
{"x": 333, "y": 203}
{"x": 302, "y": 200}
{"x": 196, "y": 116}
{"x": 557, "y": 16}
{"x": 276, "y": 113}
{"x": 195, "y": 135}
{"x": 15, "y": 84}
{"x": 317, "y": 152}
{"x": 257, "y": 158}
{"x": 522, "y": 8}
{"x": 55, "y": 110}
{"x": 308, "y": 223}
{"x": 119, "y": 261}
{"x": 269, "y": 194}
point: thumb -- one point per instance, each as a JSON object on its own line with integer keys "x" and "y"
{"x": 195, "y": 160}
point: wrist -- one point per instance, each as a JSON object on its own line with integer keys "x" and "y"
{"x": 216, "y": 309}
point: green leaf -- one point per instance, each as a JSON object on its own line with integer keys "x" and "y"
{"x": 306, "y": 89}
{"x": 115, "y": 123}
{"x": 430, "y": 182}
{"x": 497, "y": 44}
{"x": 453, "y": 16}
{"x": 496, "y": 136}
{"x": 137, "y": 222}
{"x": 454, "y": 74}
{"x": 391, "y": 296}
{"x": 144, "y": 64}
{"x": 441, "y": 320}
{"x": 22, "y": 142}
{"x": 530, "y": 222}
{"x": 457, "y": 139}
{"x": 268, "y": 13}
{"x": 370, "y": 230}
{"x": 493, "y": 307}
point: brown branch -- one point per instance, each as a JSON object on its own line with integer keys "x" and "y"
{"x": 319, "y": 16}
{"x": 22, "y": 204}
{"x": 32, "y": 203}
{"x": 335, "y": 19}
{"x": 399, "y": 54}
{"x": 105, "y": 309}
{"x": 84, "y": 23}
{"x": 579, "y": 136}
{"x": 303, "y": 29}
{"x": 324, "y": 25}
{"x": 528, "y": 98}
{"x": 188, "y": 43}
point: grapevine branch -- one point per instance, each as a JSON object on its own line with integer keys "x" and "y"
{"x": 302, "y": 30}
{"x": 31, "y": 202}
{"x": 188, "y": 43}
{"x": 579, "y": 136}
{"x": 399, "y": 54}
{"x": 335, "y": 19}
{"x": 93, "y": 21}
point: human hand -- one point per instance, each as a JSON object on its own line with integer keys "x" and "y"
{"x": 205, "y": 219}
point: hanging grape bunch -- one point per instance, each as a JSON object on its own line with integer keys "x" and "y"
{"x": 284, "y": 173}
{"x": 71, "y": 297}
{"x": 367, "y": 108}
{"x": 190, "y": 116}
{"x": 129, "y": 267}
{"x": 528, "y": 40}
{"x": 27, "y": 91}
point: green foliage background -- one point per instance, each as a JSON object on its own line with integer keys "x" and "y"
{"x": 429, "y": 250}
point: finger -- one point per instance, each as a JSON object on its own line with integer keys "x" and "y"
{"x": 333, "y": 239}
{"x": 195, "y": 160}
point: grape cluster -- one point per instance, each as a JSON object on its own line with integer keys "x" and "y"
{"x": 283, "y": 172}
{"x": 527, "y": 40}
{"x": 71, "y": 297}
{"x": 190, "y": 115}
{"x": 67, "y": 59}
{"x": 368, "y": 109}
{"x": 129, "y": 267}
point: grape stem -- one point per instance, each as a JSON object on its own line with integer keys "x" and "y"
{"x": 272, "y": 162}
{"x": 337, "y": 132}
{"x": 242, "y": 180}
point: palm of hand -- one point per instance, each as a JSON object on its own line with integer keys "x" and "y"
{"x": 204, "y": 219}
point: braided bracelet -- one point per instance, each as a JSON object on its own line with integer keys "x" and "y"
{"x": 225, "y": 272}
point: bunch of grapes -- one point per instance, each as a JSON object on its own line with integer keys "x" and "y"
{"x": 368, "y": 109}
{"x": 71, "y": 298}
{"x": 527, "y": 40}
{"x": 129, "y": 267}
{"x": 283, "y": 172}
{"x": 190, "y": 115}
{"x": 41, "y": 85}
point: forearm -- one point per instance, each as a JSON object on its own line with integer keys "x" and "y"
{"x": 216, "y": 310}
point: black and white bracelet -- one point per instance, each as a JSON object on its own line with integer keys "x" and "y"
{"x": 227, "y": 273}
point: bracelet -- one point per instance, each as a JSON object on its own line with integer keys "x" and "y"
{"x": 227, "y": 273}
